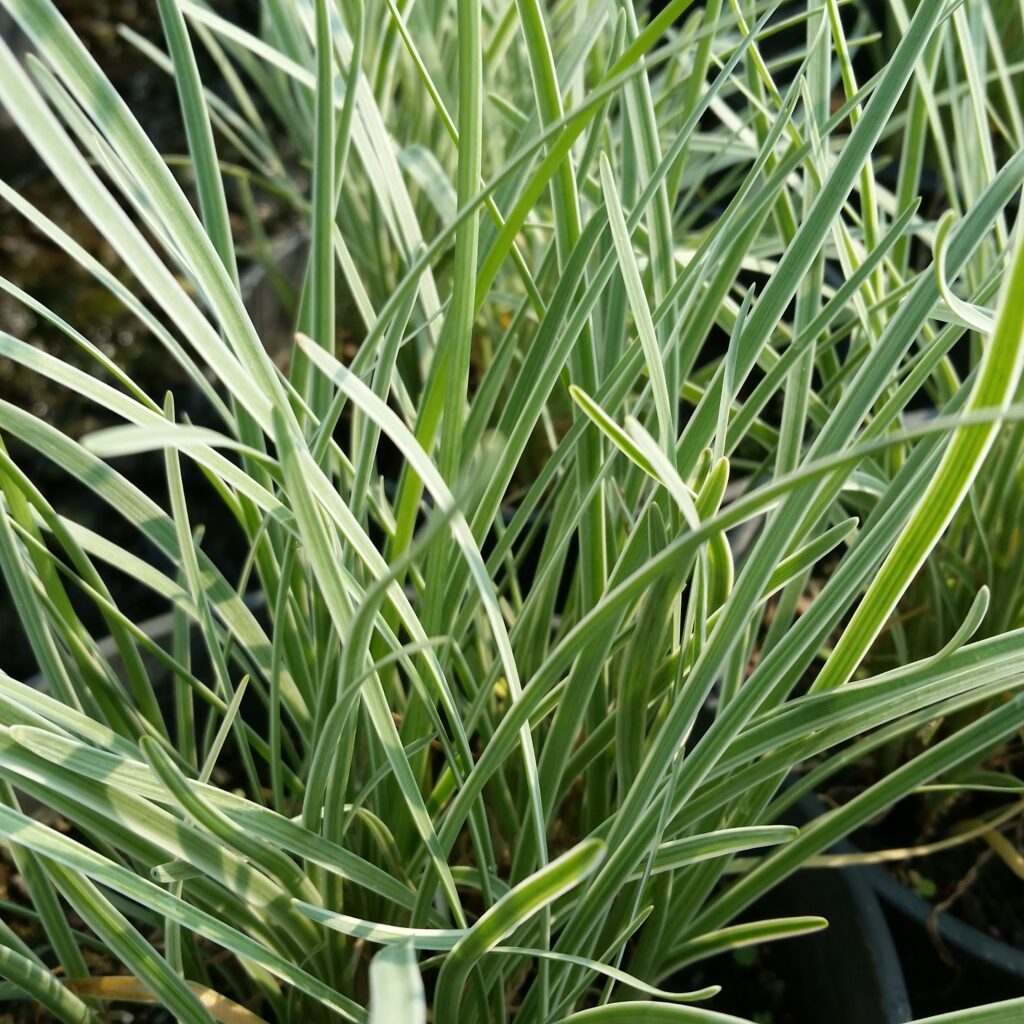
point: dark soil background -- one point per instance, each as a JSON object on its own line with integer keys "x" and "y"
{"x": 969, "y": 880}
{"x": 37, "y": 266}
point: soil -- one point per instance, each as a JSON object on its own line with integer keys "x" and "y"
{"x": 969, "y": 880}
{"x": 754, "y": 987}
{"x": 40, "y": 268}
{"x": 977, "y": 886}
{"x": 12, "y": 892}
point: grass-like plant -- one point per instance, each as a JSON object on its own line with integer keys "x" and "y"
{"x": 498, "y": 728}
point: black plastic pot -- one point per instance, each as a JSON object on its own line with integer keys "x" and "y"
{"x": 850, "y": 973}
{"x": 948, "y": 964}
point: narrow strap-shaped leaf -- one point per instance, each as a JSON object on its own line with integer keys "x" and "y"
{"x": 43, "y": 988}
{"x": 326, "y": 568}
{"x": 82, "y": 75}
{"x": 750, "y": 933}
{"x": 403, "y": 438}
{"x": 677, "y": 852}
{"x": 825, "y": 830}
{"x": 638, "y": 304}
{"x": 1007, "y": 1012}
{"x": 396, "y": 987}
{"x": 128, "y": 944}
{"x": 973, "y": 317}
{"x": 655, "y": 1013}
{"x": 81, "y": 863}
{"x": 209, "y": 183}
{"x": 973, "y": 620}
{"x": 616, "y": 434}
{"x": 386, "y": 934}
{"x": 262, "y": 854}
{"x": 999, "y": 374}
{"x": 455, "y": 344}
{"x": 133, "y": 775}
{"x": 321, "y": 265}
{"x": 613, "y": 973}
{"x": 518, "y": 905}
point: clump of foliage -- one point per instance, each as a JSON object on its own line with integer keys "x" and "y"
{"x": 496, "y": 723}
